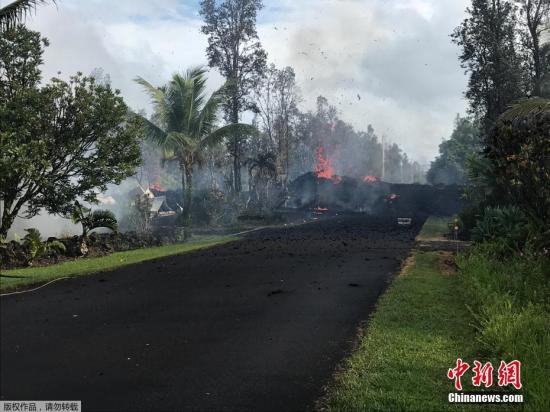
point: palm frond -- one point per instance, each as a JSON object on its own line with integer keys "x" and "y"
{"x": 16, "y": 11}
{"x": 526, "y": 107}
{"x": 178, "y": 139}
{"x": 153, "y": 132}
{"x": 208, "y": 115}
{"x": 103, "y": 218}
{"x": 164, "y": 111}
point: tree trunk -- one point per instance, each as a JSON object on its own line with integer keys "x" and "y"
{"x": 7, "y": 220}
{"x": 537, "y": 87}
{"x": 236, "y": 147}
{"x": 183, "y": 182}
{"x": 237, "y": 171}
{"x": 188, "y": 201}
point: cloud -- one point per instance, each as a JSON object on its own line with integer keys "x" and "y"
{"x": 396, "y": 54}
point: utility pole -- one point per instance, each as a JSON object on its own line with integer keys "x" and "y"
{"x": 383, "y": 157}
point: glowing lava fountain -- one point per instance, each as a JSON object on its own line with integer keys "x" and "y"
{"x": 324, "y": 168}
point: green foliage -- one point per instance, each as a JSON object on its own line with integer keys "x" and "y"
{"x": 33, "y": 242}
{"x": 509, "y": 299}
{"x": 60, "y": 141}
{"x": 451, "y": 164}
{"x": 519, "y": 149}
{"x": 482, "y": 188}
{"x": 56, "y": 248}
{"x": 16, "y": 11}
{"x": 488, "y": 41}
{"x": 93, "y": 220}
{"x": 508, "y": 230}
{"x": 507, "y": 227}
{"x": 36, "y": 248}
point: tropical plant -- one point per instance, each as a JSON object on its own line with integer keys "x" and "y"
{"x": 33, "y": 242}
{"x": 93, "y": 220}
{"x": 261, "y": 170}
{"x": 499, "y": 222}
{"x": 16, "y": 11}
{"x": 184, "y": 125}
{"x": 36, "y": 248}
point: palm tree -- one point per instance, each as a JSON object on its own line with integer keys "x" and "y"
{"x": 93, "y": 220}
{"x": 261, "y": 169}
{"x": 185, "y": 125}
{"x": 16, "y": 11}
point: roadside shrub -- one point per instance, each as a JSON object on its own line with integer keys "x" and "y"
{"x": 34, "y": 247}
{"x": 506, "y": 227}
{"x": 33, "y": 244}
{"x": 55, "y": 249}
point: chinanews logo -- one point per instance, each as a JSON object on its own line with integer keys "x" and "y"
{"x": 508, "y": 376}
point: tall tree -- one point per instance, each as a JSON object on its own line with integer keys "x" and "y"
{"x": 536, "y": 16}
{"x": 185, "y": 125}
{"x": 59, "y": 142}
{"x": 450, "y": 167}
{"x": 489, "y": 54}
{"x": 16, "y": 11}
{"x": 275, "y": 100}
{"x": 235, "y": 50}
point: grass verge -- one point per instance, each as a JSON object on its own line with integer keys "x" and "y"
{"x": 435, "y": 228}
{"x": 419, "y": 329}
{"x": 19, "y": 278}
{"x": 510, "y": 301}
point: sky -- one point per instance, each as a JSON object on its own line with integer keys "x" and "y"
{"x": 396, "y": 55}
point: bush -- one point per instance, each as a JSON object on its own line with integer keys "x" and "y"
{"x": 35, "y": 248}
{"x": 507, "y": 227}
{"x": 519, "y": 150}
{"x": 33, "y": 244}
{"x": 55, "y": 249}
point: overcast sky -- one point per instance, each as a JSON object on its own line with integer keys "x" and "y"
{"x": 395, "y": 54}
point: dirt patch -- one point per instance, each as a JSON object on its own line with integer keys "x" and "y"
{"x": 407, "y": 265}
{"x": 447, "y": 263}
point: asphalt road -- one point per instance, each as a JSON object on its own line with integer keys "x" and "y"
{"x": 259, "y": 324}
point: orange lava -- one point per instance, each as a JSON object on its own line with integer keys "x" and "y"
{"x": 370, "y": 179}
{"x": 324, "y": 168}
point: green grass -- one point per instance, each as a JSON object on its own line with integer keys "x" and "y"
{"x": 19, "y": 278}
{"x": 435, "y": 228}
{"x": 419, "y": 329}
{"x": 510, "y": 299}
